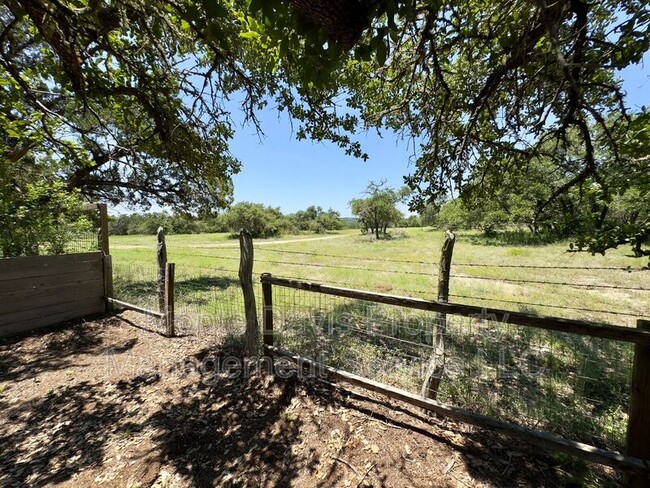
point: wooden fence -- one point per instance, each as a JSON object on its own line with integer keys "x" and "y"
{"x": 38, "y": 291}
{"x": 636, "y": 461}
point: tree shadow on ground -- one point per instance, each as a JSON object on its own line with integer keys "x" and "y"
{"x": 59, "y": 347}
{"x": 187, "y": 290}
{"x": 234, "y": 432}
{"x": 216, "y": 425}
{"x": 204, "y": 283}
{"x": 65, "y": 431}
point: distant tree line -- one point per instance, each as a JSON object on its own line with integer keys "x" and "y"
{"x": 260, "y": 220}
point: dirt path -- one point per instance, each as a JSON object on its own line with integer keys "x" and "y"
{"x": 256, "y": 242}
{"x": 108, "y": 403}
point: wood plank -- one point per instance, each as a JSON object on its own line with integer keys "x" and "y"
{"x": 44, "y": 269}
{"x": 27, "y": 301}
{"x": 103, "y": 225}
{"x": 37, "y": 323}
{"x": 71, "y": 304}
{"x": 71, "y": 288}
{"x": 8, "y": 264}
{"x": 107, "y": 272}
{"x": 543, "y": 439}
{"x": 34, "y": 283}
{"x": 130, "y": 306}
{"x": 593, "y": 329}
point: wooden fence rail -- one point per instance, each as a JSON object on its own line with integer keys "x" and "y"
{"x": 592, "y": 329}
{"x": 636, "y": 463}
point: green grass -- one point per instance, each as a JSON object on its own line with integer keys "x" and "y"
{"x": 380, "y": 269}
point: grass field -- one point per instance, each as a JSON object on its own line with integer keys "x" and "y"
{"x": 568, "y": 384}
{"x": 407, "y": 265}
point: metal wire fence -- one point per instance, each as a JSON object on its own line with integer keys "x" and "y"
{"x": 136, "y": 283}
{"x": 209, "y": 300}
{"x": 83, "y": 242}
{"x": 571, "y": 385}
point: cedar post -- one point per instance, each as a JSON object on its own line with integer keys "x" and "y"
{"x": 436, "y": 366}
{"x": 107, "y": 267}
{"x": 103, "y": 226}
{"x": 638, "y": 425}
{"x": 161, "y": 253}
{"x": 169, "y": 300}
{"x": 267, "y": 320}
{"x": 246, "y": 278}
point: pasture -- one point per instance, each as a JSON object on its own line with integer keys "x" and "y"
{"x": 542, "y": 279}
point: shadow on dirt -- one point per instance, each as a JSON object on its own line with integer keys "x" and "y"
{"x": 218, "y": 428}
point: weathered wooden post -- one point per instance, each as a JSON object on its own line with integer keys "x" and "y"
{"x": 436, "y": 366}
{"x": 638, "y": 425}
{"x": 107, "y": 269}
{"x": 267, "y": 321}
{"x": 161, "y": 253}
{"x": 103, "y": 228}
{"x": 246, "y": 278}
{"x": 170, "y": 270}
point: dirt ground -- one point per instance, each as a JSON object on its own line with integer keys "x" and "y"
{"x": 109, "y": 403}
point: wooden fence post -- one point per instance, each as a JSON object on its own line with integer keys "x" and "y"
{"x": 246, "y": 278}
{"x": 638, "y": 425}
{"x": 103, "y": 228}
{"x": 161, "y": 254}
{"x": 436, "y": 366}
{"x": 169, "y": 300}
{"x": 267, "y": 321}
{"x": 107, "y": 267}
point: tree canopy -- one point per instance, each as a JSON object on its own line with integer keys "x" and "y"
{"x": 486, "y": 87}
{"x": 131, "y": 98}
{"x": 127, "y": 96}
{"x": 378, "y": 209}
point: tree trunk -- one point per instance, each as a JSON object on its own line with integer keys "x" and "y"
{"x": 436, "y": 366}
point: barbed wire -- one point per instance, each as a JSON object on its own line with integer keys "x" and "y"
{"x": 433, "y": 263}
{"x": 543, "y": 305}
{"x": 322, "y": 265}
{"x": 417, "y": 273}
{"x": 561, "y": 283}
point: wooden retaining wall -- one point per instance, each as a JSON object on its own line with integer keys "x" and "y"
{"x": 38, "y": 291}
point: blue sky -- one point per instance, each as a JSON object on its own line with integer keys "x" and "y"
{"x": 282, "y": 172}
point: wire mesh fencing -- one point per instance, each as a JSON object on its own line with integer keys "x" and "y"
{"x": 572, "y": 385}
{"x": 83, "y": 242}
{"x": 136, "y": 283}
{"x": 209, "y": 300}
